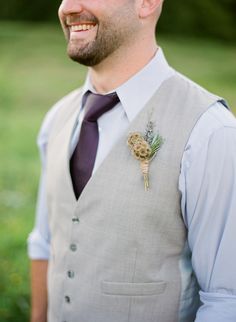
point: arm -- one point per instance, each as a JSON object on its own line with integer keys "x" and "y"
{"x": 39, "y": 290}
{"x": 39, "y": 238}
{"x": 210, "y": 215}
{"x": 38, "y": 249}
{"x": 212, "y": 230}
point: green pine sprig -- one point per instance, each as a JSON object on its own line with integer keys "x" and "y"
{"x": 156, "y": 145}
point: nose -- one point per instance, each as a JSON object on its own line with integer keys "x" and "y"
{"x": 68, "y": 7}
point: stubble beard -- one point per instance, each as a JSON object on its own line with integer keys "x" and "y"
{"x": 111, "y": 34}
{"x": 106, "y": 42}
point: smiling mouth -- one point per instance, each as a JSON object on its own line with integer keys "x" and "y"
{"x": 82, "y": 27}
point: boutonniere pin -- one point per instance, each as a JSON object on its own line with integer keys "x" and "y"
{"x": 144, "y": 147}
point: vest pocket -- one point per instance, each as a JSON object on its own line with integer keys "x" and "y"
{"x": 133, "y": 289}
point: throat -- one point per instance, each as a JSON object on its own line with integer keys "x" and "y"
{"x": 113, "y": 72}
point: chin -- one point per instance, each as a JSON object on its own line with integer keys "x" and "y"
{"x": 84, "y": 57}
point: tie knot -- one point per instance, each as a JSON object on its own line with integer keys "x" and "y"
{"x": 97, "y": 104}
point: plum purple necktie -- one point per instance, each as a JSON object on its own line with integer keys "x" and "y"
{"x": 83, "y": 158}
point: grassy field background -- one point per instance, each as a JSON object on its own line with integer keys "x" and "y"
{"x": 34, "y": 74}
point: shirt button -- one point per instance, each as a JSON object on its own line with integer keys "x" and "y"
{"x": 75, "y": 220}
{"x": 70, "y": 274}
{"x": 73, "y": 247}
{"x": 67, "y": 299}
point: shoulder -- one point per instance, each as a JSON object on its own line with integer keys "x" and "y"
{"x": 58, "y": 108}
{"x": 217, "y": 122}
{"x": 216, "y": 117}
{"x": 196, "y": 89}
{"x": 63, "y": 106}
{"x": 188, "y": 96}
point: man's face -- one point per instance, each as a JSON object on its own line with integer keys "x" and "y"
{"x": 96, "y": 29}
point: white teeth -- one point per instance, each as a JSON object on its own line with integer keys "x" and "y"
{"x": 81, "y": 27}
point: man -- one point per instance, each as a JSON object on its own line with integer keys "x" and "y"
{"x": 126, "y": 245}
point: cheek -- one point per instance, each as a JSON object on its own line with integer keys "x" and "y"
{"x": 63, "y": 25}
{"x": 60, "y": 13}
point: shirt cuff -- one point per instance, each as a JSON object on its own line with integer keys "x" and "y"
{"x": 38, "y": 247}
{"x": 217, "y": 307}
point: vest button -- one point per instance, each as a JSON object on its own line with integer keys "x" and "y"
{"x": 67, "y": 299}
{"x": 70, "y": 274}
{"x": 75, "y": 220}
{"x": 73, "y": 247}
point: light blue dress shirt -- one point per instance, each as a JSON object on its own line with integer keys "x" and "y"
{"x": 207, "y": 183}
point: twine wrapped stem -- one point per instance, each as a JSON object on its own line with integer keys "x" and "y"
{"x": 145, "y": 171}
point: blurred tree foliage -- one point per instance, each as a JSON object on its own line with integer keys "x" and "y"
{"x": 208, "y": 18}
{"x": 28, "y": 10}
{"x": 205, "y": 18}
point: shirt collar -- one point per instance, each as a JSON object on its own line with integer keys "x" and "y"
{"x": 137, "y": 91}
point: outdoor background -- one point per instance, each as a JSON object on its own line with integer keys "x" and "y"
{"x": 198, "y": 38}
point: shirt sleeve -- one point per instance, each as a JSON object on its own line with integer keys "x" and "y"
{"x": 208, "y": 186}
{"x": 39, "y": 238}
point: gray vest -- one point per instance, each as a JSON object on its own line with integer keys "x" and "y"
{"x": 119, "y": 254}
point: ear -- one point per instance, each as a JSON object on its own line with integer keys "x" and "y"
{"x": 149, "y": 7}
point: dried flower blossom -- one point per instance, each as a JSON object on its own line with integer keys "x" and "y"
{"x": 144, "y": 148}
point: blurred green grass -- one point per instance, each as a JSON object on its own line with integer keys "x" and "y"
{"x": 34, "y": 73}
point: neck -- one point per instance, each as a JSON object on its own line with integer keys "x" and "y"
{"x": 120, "y": 66}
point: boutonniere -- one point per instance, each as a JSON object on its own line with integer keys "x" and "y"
{"x": 144, "y": 147}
